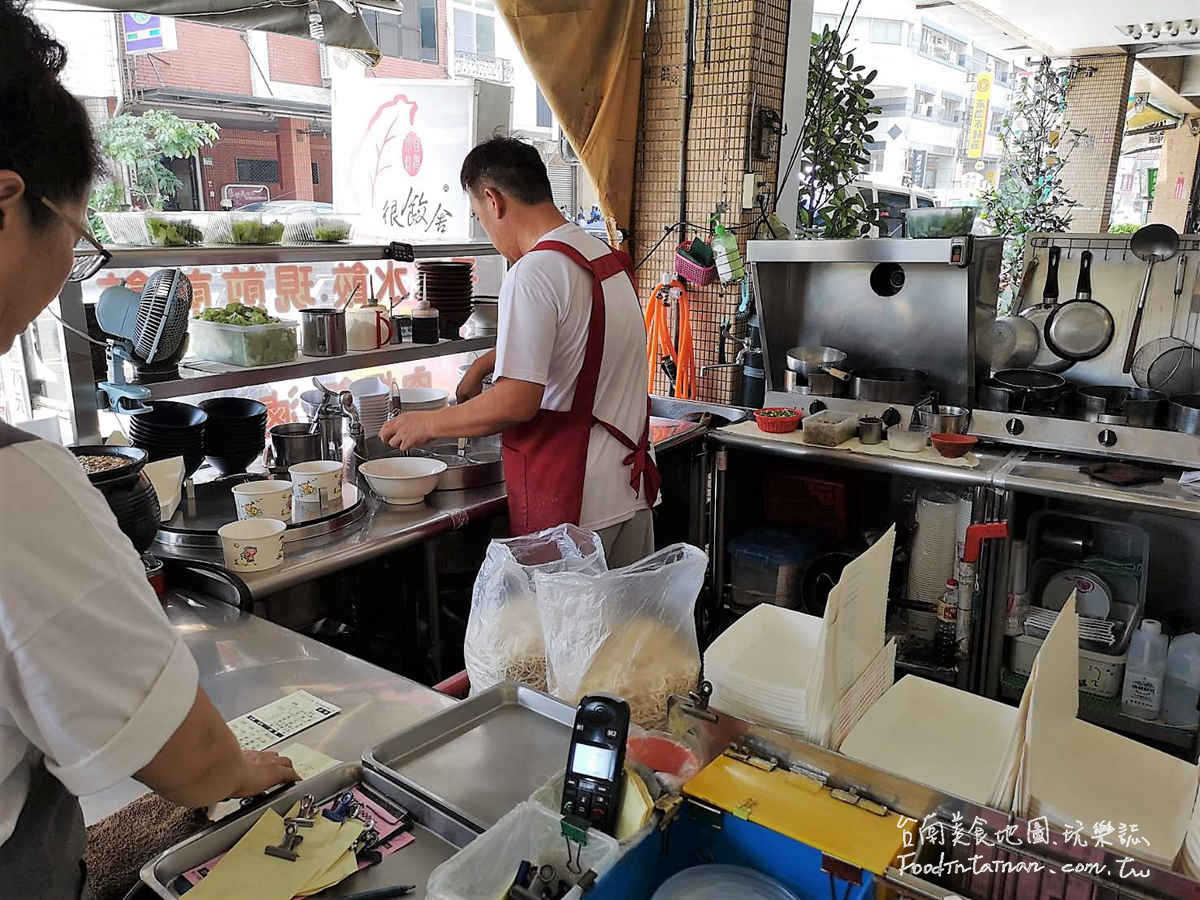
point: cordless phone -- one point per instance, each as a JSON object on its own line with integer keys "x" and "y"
{"x": 596, "y": 762}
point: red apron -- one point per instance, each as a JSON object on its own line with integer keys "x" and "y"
{"x": 545, "y": 459}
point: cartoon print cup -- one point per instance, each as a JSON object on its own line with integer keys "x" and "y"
{"x": 312, "y": 479}
{"x": 271, "y": 499}
{"x": 252, "y": 545}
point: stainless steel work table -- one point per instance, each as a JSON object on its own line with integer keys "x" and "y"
{"x": 382, "y": 530}
{"x": 246, "y": 661}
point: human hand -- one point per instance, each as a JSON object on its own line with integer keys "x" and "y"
{"x": 263, "y": 769}
{"x": 408, "y": 430}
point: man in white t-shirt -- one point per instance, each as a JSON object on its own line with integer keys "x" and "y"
{"x": 569, "y": 366}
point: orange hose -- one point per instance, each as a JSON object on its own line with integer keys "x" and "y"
{"x": 659, "y": 343}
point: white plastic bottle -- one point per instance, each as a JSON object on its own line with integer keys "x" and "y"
{"x": 1145, "y": 671}
{"x": 1181, "y": 693}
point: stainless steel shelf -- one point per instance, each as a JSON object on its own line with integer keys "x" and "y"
{"x": 139, "y": 257}
{"x": 203, "y": 381}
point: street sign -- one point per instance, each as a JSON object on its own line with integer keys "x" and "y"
{"x": 145, "y": 33}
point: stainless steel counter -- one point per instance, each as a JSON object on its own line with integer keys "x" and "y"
{"x": 246, "y": 661}
{"x": 384, "y": 529}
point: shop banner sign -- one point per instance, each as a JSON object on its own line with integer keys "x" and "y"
{"x": 397, "y": 149}
{"x": 980, "y": 104}
{"x": 145, "y": 33}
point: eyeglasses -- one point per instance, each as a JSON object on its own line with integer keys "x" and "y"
{"x": 88, "y": 261}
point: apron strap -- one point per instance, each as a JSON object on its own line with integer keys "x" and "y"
{"x": 643, "y": 472}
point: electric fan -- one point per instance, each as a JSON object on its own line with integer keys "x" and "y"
{"x": 149, "y": 331}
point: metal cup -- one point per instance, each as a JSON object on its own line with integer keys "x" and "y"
{"x": 293, "y": 444}
{"x": 323, "y": 332}
{"x": 870, "y": 430}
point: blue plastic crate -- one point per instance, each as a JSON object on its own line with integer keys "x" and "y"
{"x": 692, "y": 841}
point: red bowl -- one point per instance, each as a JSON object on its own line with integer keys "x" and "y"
{"x": 952, "y": 446}
{"x": 778, "y": 424}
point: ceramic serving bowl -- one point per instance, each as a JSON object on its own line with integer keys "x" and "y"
{"x": 403, "y": 480}
{"x": 253, "y": 545}
{"x": 317, "y": 481}
{"x": 264, "y": 500}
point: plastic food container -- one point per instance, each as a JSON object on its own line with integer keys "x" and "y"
{"x": 126, "y": 228}
{"x": 243, "y": 345}
{"x": 172, "y": 230}
{"x": 484, "y": 869}
{"x": 907, "y": 440}
{"x": 254, "y": 229}
{"x": 940, "y": 221}
{"x": 304, "y": 228}
{"x": 829, "y": 428}
{"x": 1100, "y": 674}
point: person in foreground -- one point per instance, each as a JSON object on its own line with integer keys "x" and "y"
{"x": 569, "y": 366}
{"x": 95, "y": 685}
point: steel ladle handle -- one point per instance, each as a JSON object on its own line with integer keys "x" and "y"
{"x": 1135, "y": 330}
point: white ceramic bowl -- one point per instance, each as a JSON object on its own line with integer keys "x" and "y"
{"x": 253, "y": 545}
{"x": 414, "y": 399}
{"x": 403, "y": 480}
{"x": 264, "y": 500}
{"x": 312, "y": 479}
{"x": 368, "y": 387}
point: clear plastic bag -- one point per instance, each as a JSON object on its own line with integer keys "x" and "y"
{"x": 504, "y": 634}
{"x": 629, "y": 632}
{"x": 485, "y": 868}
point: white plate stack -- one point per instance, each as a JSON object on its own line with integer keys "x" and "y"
{"x": 932, "y": 560}
{"x": 374, "y": 403}
{"x": 422, "y": 399}
{"x": 760, "y": 667}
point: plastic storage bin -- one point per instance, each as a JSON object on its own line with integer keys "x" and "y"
{"x": 767, "y": 565}
{"x": 164, "y": 229}
{"x": 1100, "y": 674}
{"x": 126, "y": 228}
{"x": 243, "y": 345}
{"x": 485, "y": 868}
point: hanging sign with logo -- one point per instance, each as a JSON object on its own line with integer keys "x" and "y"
{"x": 145, "y": 33}
{"x": 980, "y": 104}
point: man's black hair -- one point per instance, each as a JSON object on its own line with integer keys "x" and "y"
{"x": 45, "y": 134}
{"x": 511, "y": 166}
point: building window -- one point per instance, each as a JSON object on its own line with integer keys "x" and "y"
{"x": 411, "y": 34}
{"x": 893, "y": 107}
{"x": 475, "y": 29}
{"x": 942, "y": 47}
{"x": 258, "y": 171}
{"x": 545, "y": 118}
{"x": 820, "y": 20}
{"x": 885, "y": 31}
{"x": 923, "y": 104}
{"x": 996, "y": 125}
{"x": 316, "y": 173}
{"x": 877, "y": 160}
{"x": 951, "y": 111}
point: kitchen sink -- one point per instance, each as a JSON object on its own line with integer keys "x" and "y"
{"x": 693, "y": 411}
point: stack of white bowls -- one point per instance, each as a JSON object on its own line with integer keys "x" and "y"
{"x": 422, "y": 399}
{"x": 374, "y": 403}
{"x": 761, "y": 667}
{"x": 933, "y": 547}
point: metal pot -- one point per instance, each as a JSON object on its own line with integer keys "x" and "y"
{"x": 807, "y": 360}
{"x": 1184, "y": 413}
{"x": 820, "y": 383}
{"x": 944, "y": 419}
{"x": 323, "y": 331}
{"x": 1140, "y": 406}
{"x": 890, "y": 385}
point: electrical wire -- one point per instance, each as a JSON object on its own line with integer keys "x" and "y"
{"x": 658, "y": 338}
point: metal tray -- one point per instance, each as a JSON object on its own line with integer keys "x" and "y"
{"x": 438, "y": 837}
{"x": 196, "y": 521}
{"x": 481, "y": 757}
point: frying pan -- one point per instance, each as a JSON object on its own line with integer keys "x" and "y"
{"x": 1152, "y": 244}
{"x": 1035, "y": 381}
{"x": 1046, "y": 359}
{"x": 1014, "y": 340}
{"x": 1082, "y": 328}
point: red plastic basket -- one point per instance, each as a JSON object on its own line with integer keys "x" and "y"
{"x": 778, "y": 424}
{"x": 693, "y": 271}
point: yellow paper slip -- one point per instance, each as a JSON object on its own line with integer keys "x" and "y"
{"x": 802, "y": 811}
{"x": 247, "y": 873}
{"x": 346, "y": 865}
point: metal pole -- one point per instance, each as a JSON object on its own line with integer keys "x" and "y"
{"x": 84, "y": 410}
{"x": 992, "y": 653}
{"x": 433, "y": 607}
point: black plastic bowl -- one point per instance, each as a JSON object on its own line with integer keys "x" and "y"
{"x": 167, "y": 415}
{"x": 113, "y": 477}
{"x": 233, "y": 408}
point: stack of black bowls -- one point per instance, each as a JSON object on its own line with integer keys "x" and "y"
{"x": 129, "y": 493}
{"x": 447, "y": 286}
{"x": 236, "y": 433}
{"x": 171, "y": 429}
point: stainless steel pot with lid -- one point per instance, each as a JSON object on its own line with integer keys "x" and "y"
{"x": 890, "y": 385}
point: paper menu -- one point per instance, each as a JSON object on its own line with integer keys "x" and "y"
{"x": 871, "y": 685}
{"x": 279, "y": 720}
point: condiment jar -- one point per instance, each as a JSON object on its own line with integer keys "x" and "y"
{"x": 368, "y": 327}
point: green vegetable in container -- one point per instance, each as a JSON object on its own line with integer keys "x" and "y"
{"x": 164, "y": 233}
{"x": 257, "y": 232}
{"x": 237, "y": 314}
{"x": 331, "y": 234}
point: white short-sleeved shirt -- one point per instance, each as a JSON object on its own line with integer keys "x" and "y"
{"x": 92, "y": 677}
{"x": 545, "y": 309}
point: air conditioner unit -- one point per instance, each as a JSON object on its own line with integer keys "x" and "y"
{"x": 927, "y": 110}
{"x": 565, "y": 150}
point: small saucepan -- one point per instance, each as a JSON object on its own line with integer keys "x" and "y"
{"x": 1184, "y": 413}
{"x": 1141, "y": 407}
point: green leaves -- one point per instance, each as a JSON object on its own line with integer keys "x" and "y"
{"x": 141, "y": 142}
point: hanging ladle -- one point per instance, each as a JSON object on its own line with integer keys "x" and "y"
{"x": 1151, "y": 244}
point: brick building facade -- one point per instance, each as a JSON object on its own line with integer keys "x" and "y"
{"x": 270, "y": 95}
